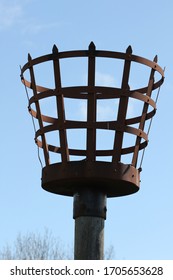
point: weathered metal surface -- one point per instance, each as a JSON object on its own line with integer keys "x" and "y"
{"x": 89, "y": 212}
{"x": 114, "y": 177}
{"x": 110, "y": 178}
{"x": 89, "y": 202}
{"x": 89, "y": 238}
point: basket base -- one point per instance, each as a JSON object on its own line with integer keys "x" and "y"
{"x": 110, "y": 178}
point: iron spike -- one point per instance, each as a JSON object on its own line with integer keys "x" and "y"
{"x": 29, "y": 57}
{"x": 129, "y": 49}
{"x": 55, "y": 49}
{"x": 155, "y": 59}
{"x": 92, "y": 46}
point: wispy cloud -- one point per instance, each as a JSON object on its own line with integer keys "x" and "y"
{"x": 105, "y": 79}
{"x": 10, "y": 14}
{"x": 82, "y": 109}
{"x": 107, "y": 110}
{"x": 13, "y": 13}
{"x": 37, "y": 27}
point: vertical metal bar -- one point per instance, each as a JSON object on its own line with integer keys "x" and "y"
{"x": 89, "y": 204}
{"x": 91, "y": 108}
{"x": 123, "y": 104}
{"x": 34, "y": 88}
{"x": 143, "y": 116}
{"x": 60, "y": 108}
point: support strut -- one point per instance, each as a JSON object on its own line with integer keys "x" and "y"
{"x": 89, "y": 213}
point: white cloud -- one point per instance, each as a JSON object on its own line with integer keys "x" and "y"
{"x": 35, "y": 28}
{"x": 13, "y": 13}
{"x": 83, "y": 110}
{"x": 103, "y": 79}
{"x": 9, "y": 14}
{"x": 135, "y": 108}
{"x": 107, "y": 111}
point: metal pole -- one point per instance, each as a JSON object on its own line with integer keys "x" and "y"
{"x": 89, "y": 214}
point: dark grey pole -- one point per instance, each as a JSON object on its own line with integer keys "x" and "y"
{"x": 89, "y": 214}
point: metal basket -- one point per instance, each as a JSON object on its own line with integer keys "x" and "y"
{"x": 92, "y": 167}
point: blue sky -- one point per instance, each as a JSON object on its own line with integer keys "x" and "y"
{"x": 138, "y": 226}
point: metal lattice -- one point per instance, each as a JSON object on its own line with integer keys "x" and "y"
{"x": 114, "y": 177}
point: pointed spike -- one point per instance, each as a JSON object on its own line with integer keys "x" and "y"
{"x": 129, "y": 50}
{"x": 92, "y": 46}
{"x": 55, "y": 49}
{"x": 21, "y": 74}
{"x": 155, "y": 59}
{"x": 29, "y": 57}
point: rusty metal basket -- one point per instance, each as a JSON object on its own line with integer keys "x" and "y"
{"x": 113, "y": 177}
